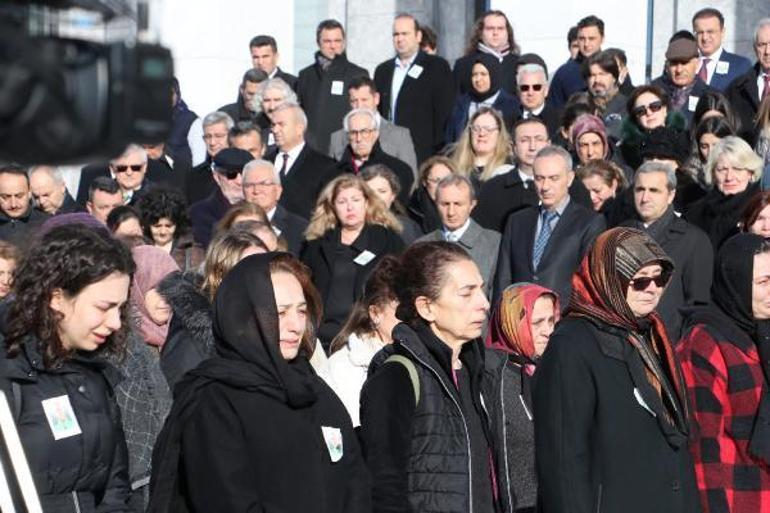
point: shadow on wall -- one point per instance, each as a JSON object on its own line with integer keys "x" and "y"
{"x": 452, "y": 20}
{"x": 747, "y": 14}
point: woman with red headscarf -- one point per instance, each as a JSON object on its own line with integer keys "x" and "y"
{"x": 610, "y": 405}
{"x": 520, "y": 327}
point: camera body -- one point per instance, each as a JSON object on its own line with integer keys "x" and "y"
{"x": 69, "y": 100}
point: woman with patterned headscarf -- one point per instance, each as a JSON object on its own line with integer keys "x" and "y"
{"x": 611, "y": 415}
{"x": 519, "y": 329}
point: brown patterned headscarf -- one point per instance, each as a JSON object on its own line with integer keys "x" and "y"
{"x": 599, "y": 292}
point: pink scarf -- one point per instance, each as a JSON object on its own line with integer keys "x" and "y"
{"x": 152, "y": 265}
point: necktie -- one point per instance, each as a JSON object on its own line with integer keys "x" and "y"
{"x": 703, "y": 72}
{"x": 766, "y": 90}
{"x": 542, "y": 238}
{"x": 282, "y": 173}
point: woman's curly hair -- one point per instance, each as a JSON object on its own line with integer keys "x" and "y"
{"x": 160, "y": 202}
{"x": 69, "y": 258}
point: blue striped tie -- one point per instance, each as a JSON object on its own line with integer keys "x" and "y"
{"x": 542, "y": 238}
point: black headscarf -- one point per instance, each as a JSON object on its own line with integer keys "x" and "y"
{"x": 495, "y": 70}
{"x": 732, "y": 314}
{"x": 246, "y": 338}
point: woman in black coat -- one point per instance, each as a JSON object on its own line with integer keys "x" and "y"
{"x": 67, "y": 318}
{"x": 254, "y": 428}
{"x": 611, "y": 416}
{"x": 351, "y": 230}
{"x": 422, "y": 205}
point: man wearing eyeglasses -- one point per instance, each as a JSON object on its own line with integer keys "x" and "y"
{"x": 532, "y": 89}
{"x": 681, "y": 82}
{"x": 688, "y": 246}
{"x": 717, "y": 67}
{"x": 364, "y": 150}
{"x": 204, "y": 214}
{"x": 262, "y": 187}
{"x": 747, "y": 91}
{"x": 200, "y": 181}
{"x": 130, "y": 170}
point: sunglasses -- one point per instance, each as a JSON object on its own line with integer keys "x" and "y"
{"x": 231, "y": 174}
{"x": 641, "y": 110}
{"x": 526, "y": 87}
{"x": 123, "y": 168}
{"x": 641, "y": 283}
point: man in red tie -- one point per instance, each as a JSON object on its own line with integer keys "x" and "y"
{"x": 717, "y": 67}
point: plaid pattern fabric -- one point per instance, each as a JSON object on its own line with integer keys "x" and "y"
{"x": 724, "y": 383}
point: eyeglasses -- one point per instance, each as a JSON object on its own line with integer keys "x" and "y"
{"x": 230, "y": 174}
{"x": 123, "y": 168}
{"x": 484, "y": 129}
{"x": 365, "y": 132}
{"x": 641, "y": 283}
{"x": 653, "y": 107}
{"x": 258, "y": 185}
{"x": 526, "y": 87}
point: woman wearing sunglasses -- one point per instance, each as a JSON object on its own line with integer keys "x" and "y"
{"x": 724, "y": 356}
{"x": 610, "y": 409}
{"x": 647, "y": 110}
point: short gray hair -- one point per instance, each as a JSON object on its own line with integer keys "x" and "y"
{"x": 764, "y": 22}
{"x": 261, "y": 163}
{"x": 299, "y": 114}
{"x": 456, "y": 180}
{"x": 739, "y": 153}
{"x": 530, "y": 68}
{"x": 52, "y": 171}
{"x": 355, "y": 112}
{"x": 133, "y": 148}
{"x": 289, "y": 96}
{"x": 652, "y": 166}
{"x": 212, "y": 118}
{"x": 556, "y": 151}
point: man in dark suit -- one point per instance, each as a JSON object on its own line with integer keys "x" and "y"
{"x": 532, "y": 88}
{"x": 19, "y": 220}
{"x": 504, "y": 194}
{"x": 493, "y": 35}
{"x": 322, "y": 87}
{"x": 264, "y": 57}
{"x": 200, "y": 181}
{"x": 680, "y": 81}
{"x": 262, "y": 187}
{"x": 687, "y": 245}
{"x": 243, "y": 109}
{"x": 49, "y": 191}
{"x": 364, "y": 150}
{"x": 131, "y": 171}
{"x": 545, "y": 244}
{"x": 568, "y": 79}
{"x": 417, "y": 90}
{"x": 455, "y": 198}
{"x": 303, "y": 171}
{"x": 747, "y": 91}
{"x": 206, "y": 213}
{"x": 717, "y": 67}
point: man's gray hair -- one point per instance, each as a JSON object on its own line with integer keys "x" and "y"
{"x": 212, "y": 118}
{"x": 289, "y": 96}
{"x": 133, "y": 148}
{"x": 530, "y": 68}
{"x": 456, "y": 180}
{"x": 261, "y": 163}
{"x": 764, "y": 22}
{"x": 556, "y": 151}
{"x": 52, "y": 171}
{"x": 299, "y": 114}
{"x": 367, "y": 112}
{"x": 652, "y": 166}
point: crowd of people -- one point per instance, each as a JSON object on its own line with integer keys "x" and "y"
{"x": 345, "y": 293}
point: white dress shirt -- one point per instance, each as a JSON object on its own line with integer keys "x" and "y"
{"x": 399, "y": 75}
{"x": 293, "y": 154}
{"x": 712, "y": 65}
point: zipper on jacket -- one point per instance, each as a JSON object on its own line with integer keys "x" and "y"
{"x": 465, "y": 424}
{"x": 505, "y": 439}
{"x": 599, "y": 500}
{"x": 75, "y": 501}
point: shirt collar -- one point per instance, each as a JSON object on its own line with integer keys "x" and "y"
{"x": 560, "y": 207}
{"x": 458, "y": 233}
{"x": 294, "y": 152}
{"x": 714, "y": 56}
{"x": 409, "y": 62}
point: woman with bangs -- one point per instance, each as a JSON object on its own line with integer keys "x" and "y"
{"x": 484, "y": 149}
{"x": 350, "y": 231}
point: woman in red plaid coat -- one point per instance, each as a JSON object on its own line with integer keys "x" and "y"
{"x": 725, "y": 358}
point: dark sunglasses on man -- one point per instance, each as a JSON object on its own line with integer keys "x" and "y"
{"x": 653, "y": 107}
{"x": 535, "y": 87}
{"x": 123, "y": 168}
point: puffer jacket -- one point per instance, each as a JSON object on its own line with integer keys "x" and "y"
{"x": 86, "y": 469}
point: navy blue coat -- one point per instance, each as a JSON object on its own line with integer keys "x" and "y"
{"x": 567, "y": 81}
{"x": 737, "y": 65}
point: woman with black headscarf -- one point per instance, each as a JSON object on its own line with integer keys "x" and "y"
{"x": 725, "y": 356}
{"x": 486, "y": 82}
{"x": 254, "y": 428}
{"x": 610, "y": 405}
